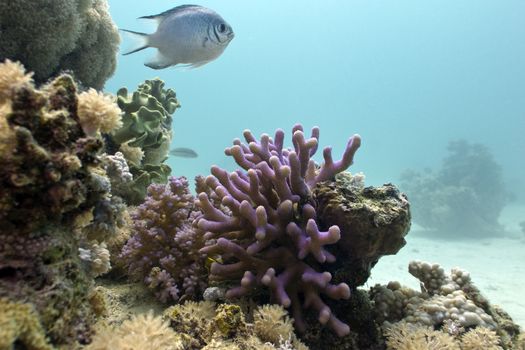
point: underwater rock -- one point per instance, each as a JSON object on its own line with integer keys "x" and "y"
{"x": 51, "y": 181}
{"x": 463, "y": 198}
{"x": 144, "y": 331}
{"x": 63, "y": 35}
{"x": 147, "y": 129}
{"x": 373, "y": 223}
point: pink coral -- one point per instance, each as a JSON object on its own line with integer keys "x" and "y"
{"x": 164, "y": 250}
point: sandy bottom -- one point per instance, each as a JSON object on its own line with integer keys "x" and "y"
{"x": 496, "y": 265}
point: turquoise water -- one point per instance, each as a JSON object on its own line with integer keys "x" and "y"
{"x": 408, "y": 76}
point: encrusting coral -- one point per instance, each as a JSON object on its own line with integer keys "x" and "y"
{"x": 164, "y": 248}
{"x": 145, "y": 136}
{"x": 52, "y": 185}
{"x": 206, "y": 325}
{"x": 448, "y": 304}
{"x": 269, "y": 236}
{"x": 74, "y": 35}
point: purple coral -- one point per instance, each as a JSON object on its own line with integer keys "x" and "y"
{"x": 268, "y": 235}
{"x": 164, "y": 249}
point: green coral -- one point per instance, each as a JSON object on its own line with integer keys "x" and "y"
{"x": 146, "y": 125}
{"x": 19, "y": 324}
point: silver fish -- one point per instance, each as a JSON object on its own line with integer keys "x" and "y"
{"x": 189, "y": 35}
{"x": 183, "y": 152}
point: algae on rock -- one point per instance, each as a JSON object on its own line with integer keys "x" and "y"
{"x": 51, "y": 180}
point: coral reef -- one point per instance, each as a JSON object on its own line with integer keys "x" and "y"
{"x": 145, "y": 137}
{"x": 373, "y": 223}
{"x": 407, "y": 336}
{"x": 205, "y": 325}
{"x": 19, "y": 324}
{"x": 164, "y": 248}
{"x": 52, "y": 183}
{"x": 268, "y": 236}
{"x": 73, "y": 35}
{"x": 448, "y": 303}
{"x": 140, "y": 332}
{"x": 464, "y": 197}
{"x": 98, "y": 113}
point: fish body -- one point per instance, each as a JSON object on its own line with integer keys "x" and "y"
{"x": 183, "y": 152}
{"x": 189, "y": 35}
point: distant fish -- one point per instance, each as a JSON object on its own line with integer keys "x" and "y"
{"x": 189, "y": 35}
{"x": 183, "y": 152}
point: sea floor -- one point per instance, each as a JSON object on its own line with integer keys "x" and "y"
{"x": 496, "y": 265}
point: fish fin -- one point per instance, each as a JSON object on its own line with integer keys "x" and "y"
{"x": 142, "y": 41}
{"x": 159, "y": 17}
{"x": 159, "y": 62}
{"x": 198, "y": 64}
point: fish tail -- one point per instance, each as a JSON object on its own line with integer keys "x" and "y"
{"x": 142, "y": 39}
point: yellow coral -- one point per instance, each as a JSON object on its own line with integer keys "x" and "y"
{"x": 133, "y": 155}
{"x": 193, "y": 319}
{"x": 98, "y": 112}
{"x": 480, "y": 338}
{"x": 141, "y": 332}
{"x": 19, "y": 323}
{"x": 6, "y": 134}
{"x": 229, "y": 319}
{"x": 406, "y": 336}
{"x": 12, "y": 75}
{"x": 271, "y": 323}
{"x": 217, "y": 344}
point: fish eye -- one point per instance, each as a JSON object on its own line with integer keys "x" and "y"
{"x": 222, "y": 28}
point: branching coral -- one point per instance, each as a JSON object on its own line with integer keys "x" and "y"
{"x": 164, "y": 249}
{"x": 269, "y": 237}
{"x": 76, "y": 35}
{"x": 464, "y": 197}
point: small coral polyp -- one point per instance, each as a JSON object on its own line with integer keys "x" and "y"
{"x": 263, "y": 224}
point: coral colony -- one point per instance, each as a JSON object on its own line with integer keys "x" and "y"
{"x": 272, "y": 228}
{"x": 269, "y": 256}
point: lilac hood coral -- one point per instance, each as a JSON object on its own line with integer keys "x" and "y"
{"x": 264, "y": 226}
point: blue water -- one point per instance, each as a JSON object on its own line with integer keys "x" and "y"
{"x": 408, "y": 76}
